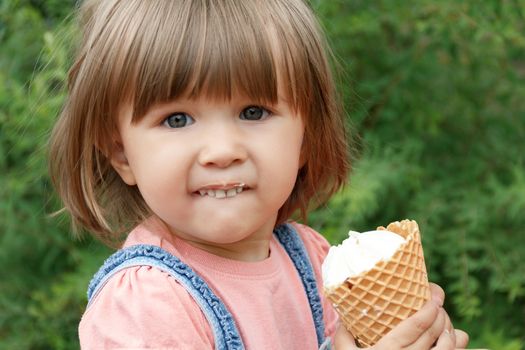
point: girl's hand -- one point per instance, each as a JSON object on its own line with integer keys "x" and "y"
{"x": 429, "y": 328}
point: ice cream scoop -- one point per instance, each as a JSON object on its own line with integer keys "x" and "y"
{"x": 358, "y": 253}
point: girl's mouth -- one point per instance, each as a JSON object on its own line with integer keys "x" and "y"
{"x": 222, "y": 191}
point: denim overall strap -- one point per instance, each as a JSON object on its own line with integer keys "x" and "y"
{"x": 221, "y": 321}
{"x": 295, "y": 248}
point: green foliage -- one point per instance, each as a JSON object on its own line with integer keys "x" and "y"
{"x": 433, "y": 89}
{"x": 44, "y": 274}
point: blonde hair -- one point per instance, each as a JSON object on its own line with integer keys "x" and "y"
{"x": 151, "y": 51}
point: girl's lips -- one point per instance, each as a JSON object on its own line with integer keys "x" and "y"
{"x": 223, "y": 186}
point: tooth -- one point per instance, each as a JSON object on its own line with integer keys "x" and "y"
{"x": 220, "y": 194}
{"x": 239, "y": 189}
{"x": 231, "y": 192}
{"x": 211, "y": 193}
{"x": 202, "y": 192}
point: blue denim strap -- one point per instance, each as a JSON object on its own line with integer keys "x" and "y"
{"x": 295, "y": 248}
{"x": 221, "y": 321}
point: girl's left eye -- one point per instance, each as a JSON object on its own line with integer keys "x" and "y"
{"x": 254, "y": 113}
{"x": 178, "y": 120}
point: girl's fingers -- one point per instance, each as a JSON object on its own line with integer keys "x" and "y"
{"x": 433, "y": 333}
{"x": 343, "y": 339}
{"x": 450, "y": 329}
{"x": 437, "y": 293}
{"x": 410, "y": 330}
{"x": 461, "y": 339}
{"x": 455, "y": 340}
{"x": 445, "y": 342}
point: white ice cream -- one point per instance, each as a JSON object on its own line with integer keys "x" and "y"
{"x": 358, "y": 253}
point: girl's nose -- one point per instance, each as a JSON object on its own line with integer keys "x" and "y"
{"x": 223, "y": 147}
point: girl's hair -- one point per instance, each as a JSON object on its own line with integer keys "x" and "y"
{"x": 147, "y": 52}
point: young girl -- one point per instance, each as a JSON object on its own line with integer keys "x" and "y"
{"x": 200, "y": 127}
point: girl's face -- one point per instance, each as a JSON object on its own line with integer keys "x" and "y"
{"x": 216, "y": 172}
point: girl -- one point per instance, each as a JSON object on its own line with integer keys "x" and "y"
{"x": 202, "y": 126}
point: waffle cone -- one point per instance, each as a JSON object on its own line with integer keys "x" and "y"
{"x": 375, "y": 301}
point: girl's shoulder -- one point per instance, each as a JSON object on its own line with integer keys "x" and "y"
{"x": 123, "y": 314}
{"x": 129, "y": 308}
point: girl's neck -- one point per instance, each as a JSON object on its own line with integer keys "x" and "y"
{"x": 248, "y": 251}
{"x": 254, "y": 248}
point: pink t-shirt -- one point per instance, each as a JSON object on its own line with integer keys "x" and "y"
{"x": 143, "y": 307}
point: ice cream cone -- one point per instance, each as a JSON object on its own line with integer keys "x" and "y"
{"x": 375, "y": 301}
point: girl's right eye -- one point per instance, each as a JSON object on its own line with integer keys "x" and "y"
{"x": 178, "y": 120}
{"x": 254, "y": 113}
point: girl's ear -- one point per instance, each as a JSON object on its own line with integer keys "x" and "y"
{"x": 120, "y": 163}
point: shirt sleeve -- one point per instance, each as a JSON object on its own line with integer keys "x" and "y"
{"x": 317, "y": 247}
{"x": 143, "y": 307}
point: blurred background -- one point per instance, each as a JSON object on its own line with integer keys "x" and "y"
{"x": 435, "y": 98}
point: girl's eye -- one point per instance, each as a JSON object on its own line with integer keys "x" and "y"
{"x": 254, "y": 113}
{"x": 178, "y": 120}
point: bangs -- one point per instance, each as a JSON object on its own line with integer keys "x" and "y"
{"x": 202, "y": 48}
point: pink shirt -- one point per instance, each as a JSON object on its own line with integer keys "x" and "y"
{"x": 143, "y": 307}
